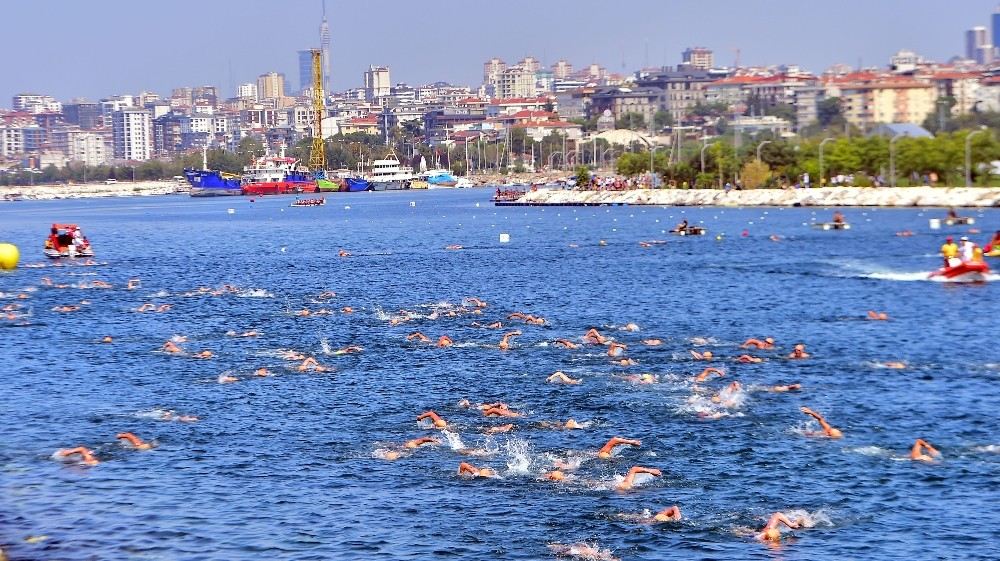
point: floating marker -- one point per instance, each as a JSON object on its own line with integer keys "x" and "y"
{"x": 504, "y": 237}
{"x": 347, "y": 207}
{"x": 935, "y": 223}
{"x": 231, "y": 210}
{"x": 414, "y": 203}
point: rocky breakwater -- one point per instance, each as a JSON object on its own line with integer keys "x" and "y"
{"x": 78, "y": 191}
{"x": 827, "y": 196}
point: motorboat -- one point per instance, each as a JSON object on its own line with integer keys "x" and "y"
{"x": 309, "y": 202}
{"x": 962, "y": 271}
{"x": 67, "y": 240}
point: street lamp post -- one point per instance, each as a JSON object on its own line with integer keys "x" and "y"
{"x": 761, "y": 145}
{"x": 892, "y": 159}
{"x": 552, "y": 156}
{"x": 968, "y": 156}
{"x": 824, "y": 141}
{"x": 604, "y": 156}
{"x": 703, "y": 148}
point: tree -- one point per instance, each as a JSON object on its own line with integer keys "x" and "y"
{"x": 632, "y": 121}
{"x": 582, "y": 176}
{"x": 631, "y": 164}
{"x": 663, "y": 119}
{"x": 830, "y": 112}
{"x": 755, "y": 174}
{"x": 784, "y": 111}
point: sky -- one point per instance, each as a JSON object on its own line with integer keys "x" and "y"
{"x": 80, "y": 48}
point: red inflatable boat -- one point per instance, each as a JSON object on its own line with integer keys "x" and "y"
{"x": 963, "y": 272}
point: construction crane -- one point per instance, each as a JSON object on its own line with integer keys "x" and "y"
{"x": 317, "y": 156}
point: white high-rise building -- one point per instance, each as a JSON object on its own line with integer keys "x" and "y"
{"x": 247, "y": 91}
{"x": 377, "y": 84}
{"x": 132, "y": 130}
{"x": 516, "y": 81}
{"x": 492, "y": 70}
{"x": 271, "y": 85}
{"x": 561, "y": 70}
{"x": 530, "y": 64}
{"x": 34, "y": 103}
{"x": 87, "y": 148}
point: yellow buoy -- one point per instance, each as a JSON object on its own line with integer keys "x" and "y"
{"x": 9, "y": 256}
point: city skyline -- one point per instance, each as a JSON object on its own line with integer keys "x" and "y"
{"x": 80, "y": 54}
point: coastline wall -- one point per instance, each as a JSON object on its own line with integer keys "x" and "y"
{"x": 78, "y": 191}
{"x": 826, "y": 196}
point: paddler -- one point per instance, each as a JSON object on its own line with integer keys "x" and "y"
{"x": 838, "y": 217}
{"x": 949, "y": 250}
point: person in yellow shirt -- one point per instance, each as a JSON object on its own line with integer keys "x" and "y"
{"x": 949, "y": 251}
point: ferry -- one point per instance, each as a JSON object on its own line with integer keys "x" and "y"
{"x": 276, "y": 175}
{"x": 388, "y": 175}
{"x": 67, "y": 240}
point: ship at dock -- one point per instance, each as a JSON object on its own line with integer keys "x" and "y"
{"x": 210, "y": 182}
{"x": 277, "y": 175}
{"x": 388, "y": 174}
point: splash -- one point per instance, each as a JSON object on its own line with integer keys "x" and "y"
{"x": 582, "y": 550}
{"x": 253, "y": 293}
{"x": 519, "y": 459}
{"x": 874, "y": 451}
{"x": 454, "y": 440}
{"x": 989, "y": 448}
{"x": 809, "y": 519}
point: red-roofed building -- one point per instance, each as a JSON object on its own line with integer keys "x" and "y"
{"x": 514, "y": 104}
{"x": 367, "y": 125}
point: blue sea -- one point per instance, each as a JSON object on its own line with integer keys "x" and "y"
{"x": 294, "y": 466}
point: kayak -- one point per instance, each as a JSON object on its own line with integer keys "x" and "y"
{"x": 832, "y": 226}
{"x": 690, "y": 231}
{"x": 959, "y": 221}
{"x": 963, "y": 272}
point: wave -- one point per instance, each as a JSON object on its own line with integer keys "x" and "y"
{"x": 253, "y": 293}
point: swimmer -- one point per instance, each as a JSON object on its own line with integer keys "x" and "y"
{"x": 494, "y": 325}
{"x": 203, "y": 354}
{"x": 326, "y": 294}
{"x": 670, "y": 514}
{"x": 471, "y": 470}
{"x": 644, "y": 379}
{"x": 163, "y": 308}
{"x": 534, "y": 320}
{"x": 728, "y": 396}
{"x": 787, "y": 388}
{"x": 828, "y": 431}
{"x": 418, "y": 336}
{"x": 350, "y": 349}
{"x": 605, "y": 452}
{"x": 453, "y": 247}
{"x": 304, "y": 312}
{"x": 652, "y": 342}
{"x": 625, "y": 362}
{"x": 593, "y": 337}
{"x": 100, "y": 284}
{"x": 147, "y": 307}
{"x": 133, "y": 284}
{"x": 422, "y": 441}
{"x": 347, "y": 310}
{"x": 629, "y": 480}
{"x": 565, "y": 343}
{"x": 86, "y": 455}
{"x": 435, "y": 419}
{"x": 444, "y": 341}
{"x": 775, "y": 238}
{"x": 169, "y": 416}
{"x": 877, "y": 316}
{"x": 250, "y": 333}
{"x": 905, "y": 233}
{"x": 505, "y": 340}
{"x": 310, "y": 363}
{"x": 501, "y": 411}
{"x": 582, "y": 550}
{"x": 107, "y": 339}
{"x": 134, "y": 441}
{"x": 500, "y": 429}
{"x": 170, "y": 347}
{"x": 748, "y": 359}
{"x": 706, "y": 373}
{"x": 895, "y": 365}
{"x": 343, "y": 253}
{"x": 917, "y": 452}
{"x": 772, "y": 531}
{"x": 227, "y": 378}
{"x": 65, "y": 309}
{"x": 766, "y": 344}
{"x": 561, "y": 378}
{"x": 799, "y": 352}
{"x": 631, "y": 327}
{"x": 473, "y": 301}
{"x": 554, "y": 475}
{"x": 616, "y": 349}
{"x": 262, "y": 372}
{"x": 707, "y": 355}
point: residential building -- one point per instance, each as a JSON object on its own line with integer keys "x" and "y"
{"x": 562, "y": 70}
{"x": 807, "y": 104}
{"x": 681, "y": 90}
{"x": 507, "y": 106}
{"x": 887, "y": 101}
{"x": 35, "y": 103}
{"x": 367, "y": 125}
{"x": 544, "y": 81}
{"x": 974, "y": 39}
{"x": 492, "y": 70}
{"x": 530, "y": 64}
{"x": 988, "y": 94}
{"x": 995, "y": 23}
{"x": 247, "y": 91}
{"x": 985, "y": 54}
{"x": 766, "y": 123}
{"x": 132, "y": 129}
{"x": 645, "y": 101}
{"x": 963, "y": 87}
{"x": 516, "y": 81}
{"x": 697, "y": 58}
{"x": 87, "y": 148}
{"x": 271, "y": 86}
{"x": 904, "y": 62}
{"x": 377, "y": 84}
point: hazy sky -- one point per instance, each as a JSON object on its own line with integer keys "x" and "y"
{"x": 70, "y": 48}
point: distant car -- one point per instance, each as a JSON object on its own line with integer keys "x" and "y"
{"x": 110, "y": 181}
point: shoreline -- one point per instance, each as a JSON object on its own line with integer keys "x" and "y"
{"x": 978, "y": 197}
{"x": 91, "y": 190}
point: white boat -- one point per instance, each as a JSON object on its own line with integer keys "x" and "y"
{"x": 388, "y": 175}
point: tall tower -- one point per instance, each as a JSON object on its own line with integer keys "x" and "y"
{"x": 324, "y": 44}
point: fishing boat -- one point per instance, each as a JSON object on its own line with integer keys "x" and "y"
{"x": 212, "y": 183}
{"x": 67, "y": 240}
{"x": 308, "y": 202}
{"x": 277, "y": 175}
{"x": 330, "y": 185}
{"x": 356, "y": 184}
{"x": 962, "y": 271}
{"x": 439, "y": 178}
{"x": 388, "y": 175}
